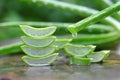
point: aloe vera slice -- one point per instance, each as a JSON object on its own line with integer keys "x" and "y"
{"x": 38, "y": 52}
{"x": 37, "y": 32}
{"x": 99, "y": 56}
{"x": 78, "y": 50}
{"x": 32, "y": 61}
{"x": 36, "y": 42}
{"x": 76, "y": 60}
{"x": 60, "y": 43}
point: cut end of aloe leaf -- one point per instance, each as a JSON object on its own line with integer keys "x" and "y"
{"x": 78, "y": 50}
{"x": 71, "y": 28}
{"x": 38, "y": 42}
{"x": 37, "y": 32}
{"x": 38, "y": 52}
{"x": 40, "y": 61}
{"x": 80, "y": 61}
{"x": 99, "y": 56}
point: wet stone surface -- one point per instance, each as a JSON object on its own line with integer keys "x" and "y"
{"x": 12, "y": 68}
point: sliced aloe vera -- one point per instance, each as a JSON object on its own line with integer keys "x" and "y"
{"x": 60, "y": 43}
{"x": 37, "y": 32}
{"x": 38, "y": 42}
{"x": 99, "y": 56}
{"x": 76, "y": 60}
{"x": 32, "y": 61}
{"x": 78, "y": 50}
{"x": 38, "y": 52}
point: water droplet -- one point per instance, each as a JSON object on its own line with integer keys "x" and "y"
{"x": 74, "y": 35}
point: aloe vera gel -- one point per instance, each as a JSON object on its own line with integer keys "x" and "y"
{"x": 37, "y": 46}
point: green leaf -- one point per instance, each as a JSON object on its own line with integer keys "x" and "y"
{"x": 76, "y": 60}
{"x": 38, "y": 52}
{"x": 108, "y": 3}
{"x": 60, "y": 43}
{"x": 37, "y": 32}
{"x": 99, "y": 56}
{"x": 61, "y": 27}
{"x": 11, "y": 48}
{"x": 32, "y": 61}
{"x": 38, "y": 42}
{"x": 94, "y": 18}
{"x": 78, "y": 50}
{"x": 96, "y": 38}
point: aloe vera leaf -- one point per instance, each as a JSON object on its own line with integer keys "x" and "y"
{"x": 60, "y": 43}
{"x": 108, "y": 3}
{"x": 97, "y": 29}
{"x": 99, "y": 56}
{"x": 37, "y": 32}
{"x": 32, "y": 23}
{"x": 10, "y": 48}
{"x": 96, "y": 39}
{"x": 61, "y": 27}
{"x": 38, "y": 52}
{"x": 38, "y": 42}
{"x": 80, "y": 10}
{"x": 76, "y": 60}
{"x": 94, "y": 18}
{"x": 40, "y": 61}
{"x": 66, "y": 6}
{"x": 78, "y": 50}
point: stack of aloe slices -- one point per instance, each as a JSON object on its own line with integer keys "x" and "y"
{"x": 40, "y": 46}
{"x": 84, "y": 55}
